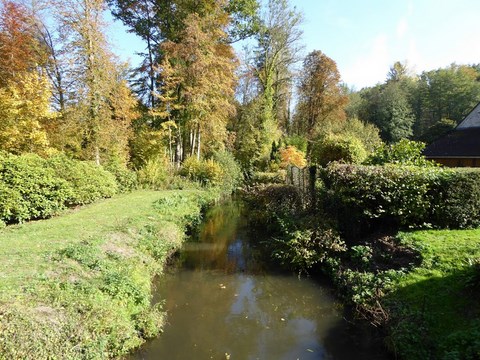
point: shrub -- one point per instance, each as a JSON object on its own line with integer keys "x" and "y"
{"x": 30, "y": 189}
{"x": 346, "y": 148}
{"x": 268, "y": 177}
{"x": 206, "y": 172}
{"x": 302, "y": 249}
{"x": 88, "y": 182}
{"x": 364, "y": 193}
{"x": 457, "y": 198}
{"x": 126, "y": 179}
{"x": 404, "y": 152}
{"x": 155, "y": 173}
{"x": 292, "y": 156}
{"x": 232, "y": 175}
{"x": 406, "y": 195}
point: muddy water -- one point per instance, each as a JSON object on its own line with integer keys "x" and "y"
{"x": 224, "y": 303}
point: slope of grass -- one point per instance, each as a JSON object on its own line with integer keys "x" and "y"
{"x": 78, "y": 285}
{"x": 435, "y": 307}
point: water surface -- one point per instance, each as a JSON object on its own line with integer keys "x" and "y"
{"x": 224, "y": 303}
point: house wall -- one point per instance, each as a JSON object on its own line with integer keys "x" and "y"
{"x": 460, "y": 162}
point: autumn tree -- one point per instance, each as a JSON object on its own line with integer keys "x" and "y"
{"x": 321, "y": 98}
{"x": 156, "y": 21}
{"x": 98, "y": 113}
{"x": 197, "y": 94}
{"x": 20, "y": 49}
{"x": 25, "y": 110}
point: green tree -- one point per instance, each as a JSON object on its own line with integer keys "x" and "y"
{"x": 448, "y": 93}
{"x": 277, "y": 51}
{"x": 387, "y": 106}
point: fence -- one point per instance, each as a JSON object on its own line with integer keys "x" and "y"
{"x": 304, "y": 179}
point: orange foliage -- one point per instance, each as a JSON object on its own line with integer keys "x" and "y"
{"x": 292, "y": 156}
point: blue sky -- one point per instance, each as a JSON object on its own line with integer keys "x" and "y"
{"x": 366, "y": 37}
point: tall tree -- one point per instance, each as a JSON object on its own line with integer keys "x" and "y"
{"x": 20, "y": 49}
{"x": 321, "y": 97}
{"x": 277, "y": 52}
{"x": 96, "y": 80}
{"x": 156, "y": 21}
{"x": 387, "y": 106}
{"x": 198, "y": 73}
{"x": 25, "y": 110}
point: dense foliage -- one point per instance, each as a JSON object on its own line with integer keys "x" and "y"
{"x": 36, "y": 188}
{"x": 402, "y": 195}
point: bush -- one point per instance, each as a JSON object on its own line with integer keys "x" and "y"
{"x": 126, "y": 179}
{"x": 457, "y": 198}
{"x": 30, "y": 189}
{"x": 346, "y": 148}
{"x": 232, "y": 176}
{"x": 292, "y": 156}
{"x": 88, "y": 182}
{"x": 404, "y": 195}
{"x": 268, "y": 177}
{"x": 155, "y": 173}
{"x": 404, "y": 152}
{"x": 206, "y": 172}
{"x": 364, "y": 193}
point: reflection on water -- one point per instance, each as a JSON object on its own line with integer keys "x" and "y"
{"x": 222, "y": 303}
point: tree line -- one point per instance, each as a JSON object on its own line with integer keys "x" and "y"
{"x": 62, "y": 89}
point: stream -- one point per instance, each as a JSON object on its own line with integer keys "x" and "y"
{"x": 224, "y": 302}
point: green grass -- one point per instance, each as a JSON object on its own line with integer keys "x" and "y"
{"x": 435, "y": 313}
{"x": 78, "y": 285}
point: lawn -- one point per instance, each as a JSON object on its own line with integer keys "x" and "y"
{"x": 435, "y": 308}
{"x": 78, "y": 285}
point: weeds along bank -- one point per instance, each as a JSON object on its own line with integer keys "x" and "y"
{"x": 78, "y": 285}
{"x": 420, "y": 286}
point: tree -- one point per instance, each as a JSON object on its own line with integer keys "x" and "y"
{"x": 97, "y": 117}
{"x": 198, "y": 73}
{"x": 277, "y": 51}
{"x": 156, "y": 21}
{"x": 448, "y": 93}
{"x": 387, "y": 106}
{"x": 321, "y": 96}
{"x": 20, "y": 49}
{"x": 24, "y": 109}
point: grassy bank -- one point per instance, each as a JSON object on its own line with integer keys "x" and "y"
{"x": 78, "y": 285}
{"x": 434, "y": 309}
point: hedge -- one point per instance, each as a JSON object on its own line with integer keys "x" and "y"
{"x": 87, "y": 181}
{"x": 29, "y": 189}
{"x": 404, "y": 195}
{"x": 35, "y": 188}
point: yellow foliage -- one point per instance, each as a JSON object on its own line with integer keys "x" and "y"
{"x": 292, "y": 156}
{"x": 24, "y": 108}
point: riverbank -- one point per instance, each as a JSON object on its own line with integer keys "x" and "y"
{"x": 420, "y": 287}
{"x": 79, "y": 285}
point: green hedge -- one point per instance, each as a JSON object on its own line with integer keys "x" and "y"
{"x": 405, "y": 195}
{"x": 29, "y": 189}
{"x": 35, "y": 188}
{"x": 88, "y": 182}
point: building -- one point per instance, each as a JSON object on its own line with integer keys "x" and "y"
{"x": 461, "y": 146}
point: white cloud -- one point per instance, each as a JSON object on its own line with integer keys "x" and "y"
{"x": 402, "y": 28}
{"x": 373, "y": 65}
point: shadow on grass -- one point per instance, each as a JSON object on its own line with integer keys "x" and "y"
{"x": 436, "y": 316}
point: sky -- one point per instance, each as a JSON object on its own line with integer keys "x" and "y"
{"x": 366, "y": 37}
